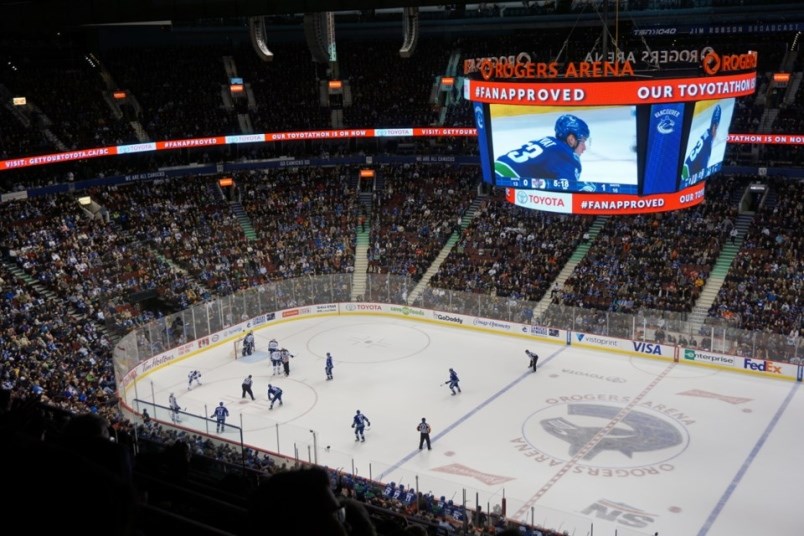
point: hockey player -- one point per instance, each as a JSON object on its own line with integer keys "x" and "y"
{"x": 193, "y": 376}
{"x": 359, "y": 422}
{"x": 698, "y": 160}
{"x": 274, "y": 395}
{"x": 248, "y": 344}
{"x": 285, "y": 355}
{"x": 328, "y": 366}
{"x": 534, "y": 358}
{"x": 557, "y": 159}
{"x": 173, "y": 403}
{"x": 220, "y": 415}
{"x": 273, "y": 345}
{"x": 276, "y": 361}
{"x": 453, "y": 382}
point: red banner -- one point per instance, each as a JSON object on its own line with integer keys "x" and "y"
{"x": 780, "y": 139}
{"x": 605, "y": 204}
{"x": 614, "y": 92}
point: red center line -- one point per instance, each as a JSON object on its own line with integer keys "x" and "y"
{"x": 591, "y": 444}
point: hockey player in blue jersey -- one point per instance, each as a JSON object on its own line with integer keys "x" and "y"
{"x": 220, "y": 415}
{"x": 193, "y": 376}
{"x": 359, "y": 422}
{"x": 453, "y": 382}
{"x": 328, "y": 366}
{"x": 698, "y": 160}
{"x": 274, "y": 395}
{"x": 556, "y": 159}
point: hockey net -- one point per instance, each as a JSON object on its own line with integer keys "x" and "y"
{"x": 238, "y": 348}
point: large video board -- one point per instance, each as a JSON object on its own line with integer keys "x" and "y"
{"x": 611, "y": 138}
{"x": 555, "y": 149}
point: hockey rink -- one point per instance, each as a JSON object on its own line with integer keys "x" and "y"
{"x": 622, "y": 444}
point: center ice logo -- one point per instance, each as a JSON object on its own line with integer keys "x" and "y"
{"x": 641, "y": 432}
{"x": 602, "y": 440}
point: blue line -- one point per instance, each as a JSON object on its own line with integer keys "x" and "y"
{"x": 482, "y": 405}
{"x": 747, "y": 463}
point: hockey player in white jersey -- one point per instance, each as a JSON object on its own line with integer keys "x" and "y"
{"x": 273, "y": 345}
{"x": 276, "y": 362}
{"x": 173, "y": 403}
{"x": 193, "y": 376}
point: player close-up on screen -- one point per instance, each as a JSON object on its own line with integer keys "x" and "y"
{"x": 552, "y": 149}
{"x": 706, "y": 144}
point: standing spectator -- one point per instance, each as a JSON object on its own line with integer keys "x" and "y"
{"x": 534, "y": 358}
{"x": 247, "y": 381}
{"x": 733, "y": 234}
{"x": 220, "y": 415}
{"x": 424, "y": 434}
{"x": 328, "y": 366}
{"x": 297, "y": 503}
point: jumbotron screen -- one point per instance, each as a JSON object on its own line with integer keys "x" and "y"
{"x": 605, "y": 146}
{"x": 556, "y": 149}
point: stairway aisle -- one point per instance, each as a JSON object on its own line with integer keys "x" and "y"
{"x": 362, "y": 234}
{"x": 432, "y": 270}
{"x": 243, "y": 220}
{"x": 719, "y": 271}
{"x": 579, "y": 253}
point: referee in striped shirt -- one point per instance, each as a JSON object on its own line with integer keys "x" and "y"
{"x": 247, "y": 387}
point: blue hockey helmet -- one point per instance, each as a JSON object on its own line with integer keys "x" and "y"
{"x": 570, "y": 124}
{"x": 358, "y": 412}
{"x": 716, "y": 116}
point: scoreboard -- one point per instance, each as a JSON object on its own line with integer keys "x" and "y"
{"x": 605, "y": 143}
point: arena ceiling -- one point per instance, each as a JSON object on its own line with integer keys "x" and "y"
{"x": 36, "y": 15}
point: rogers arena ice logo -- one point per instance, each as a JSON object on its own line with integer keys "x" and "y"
{"x": 447, "y": 318}
{"x": 490, "y": 324}
{"x": 596, "y": 437}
